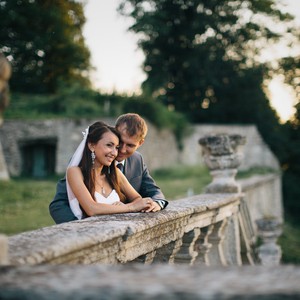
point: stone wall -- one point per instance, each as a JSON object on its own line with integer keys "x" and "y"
{"x": 159, "y": 150}
{"x": 67, "y": 135}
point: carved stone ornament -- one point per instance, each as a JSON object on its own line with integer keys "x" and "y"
{"x": 222, "y": 154}
{"x": 269, "y": 229}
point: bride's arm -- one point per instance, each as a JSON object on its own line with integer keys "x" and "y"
{"x": 91, "y": 208}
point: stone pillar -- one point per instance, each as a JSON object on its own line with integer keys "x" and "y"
{"x": 5, "y": 73}
{"x": 202, "y": 246}
{"x": 216, "y": 239}
{"x": 167, "y": 253}
{"x": 222, "y": 155}
{"x": 3, "y": 168}
{"x": 146, "y": 259}
{"x": 232, "y": 242}
{"x": 3, "y": 250}
{"x": 269, "y": 230}
{"x": 187, "y": 253}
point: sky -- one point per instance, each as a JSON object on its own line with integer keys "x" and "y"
{"x": 114, "y": 50}
{"x": 117, "y": 59}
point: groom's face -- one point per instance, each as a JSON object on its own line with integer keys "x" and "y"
{"x": 128, "y": 144}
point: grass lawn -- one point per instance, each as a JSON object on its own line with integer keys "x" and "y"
{"x": 24, "y": 203}
{"x": 181, "y": 181}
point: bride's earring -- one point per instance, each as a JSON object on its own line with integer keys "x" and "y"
{"x": 93, "y": 156}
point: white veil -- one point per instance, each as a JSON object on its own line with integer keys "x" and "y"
{"x": 75, "y": 160}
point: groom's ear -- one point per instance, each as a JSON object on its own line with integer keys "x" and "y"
{"x": 141, "y": 142}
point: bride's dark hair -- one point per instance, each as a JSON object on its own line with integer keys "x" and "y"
{"x": 95, "y": 134}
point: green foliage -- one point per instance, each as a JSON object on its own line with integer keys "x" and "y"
{"x": 158, "y": 115}
{"x": 291, "y": 168}
{"x": 254, "y": 171}
{"x": 73, "y": 101}
{"x": 290, "y": 243}
{"x": 291, "y": 192}
{"x": 44, "y": 42}
{"x": 182, "y": 171}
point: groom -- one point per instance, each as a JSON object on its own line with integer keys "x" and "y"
{"x": 133, "y": 130}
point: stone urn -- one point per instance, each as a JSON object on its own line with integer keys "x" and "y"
{"x": 222, "y": 154}
{"x": 269, "y": 230}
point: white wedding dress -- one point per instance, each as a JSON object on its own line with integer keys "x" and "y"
{"x": 110, "y": 199}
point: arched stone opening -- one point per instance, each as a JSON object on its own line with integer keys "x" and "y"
{"x": 38, "y": 157}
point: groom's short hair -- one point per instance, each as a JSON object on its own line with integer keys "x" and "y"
{"x": 135, "y": 125}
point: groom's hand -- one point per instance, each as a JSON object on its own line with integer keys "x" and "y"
{"x": 154, "y": 207}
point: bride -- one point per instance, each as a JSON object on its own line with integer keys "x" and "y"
{"x": 94, "y": 184}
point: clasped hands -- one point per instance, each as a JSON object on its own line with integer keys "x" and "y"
{"x": 153, "y": 206}
{"x": 142, "y": 205}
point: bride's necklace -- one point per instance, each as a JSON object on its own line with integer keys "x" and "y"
{"x": 103, "y": 191}
{"x": 100, "y": 183}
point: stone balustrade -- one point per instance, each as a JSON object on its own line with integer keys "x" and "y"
{"x": 190, "y": 230}
{"x": 208, "y": 229}
{"x": 213, "y": 229}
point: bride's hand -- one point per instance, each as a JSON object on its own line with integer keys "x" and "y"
{"x": 140, "y": 205}
{"x": 118, "y": 203}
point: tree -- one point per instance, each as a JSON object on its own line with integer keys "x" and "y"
{"x": 203, "y": 58}
{"x": 289, "y": 67}
{"x": 201, "y": 54}
{"x": 43, "y": 41}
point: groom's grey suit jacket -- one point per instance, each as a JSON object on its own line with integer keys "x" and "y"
{"x": 135, "y": 171}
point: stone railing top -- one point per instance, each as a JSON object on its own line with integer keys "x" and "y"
{"x": 47, "y": 243}
{"x": 257, "y": 180}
